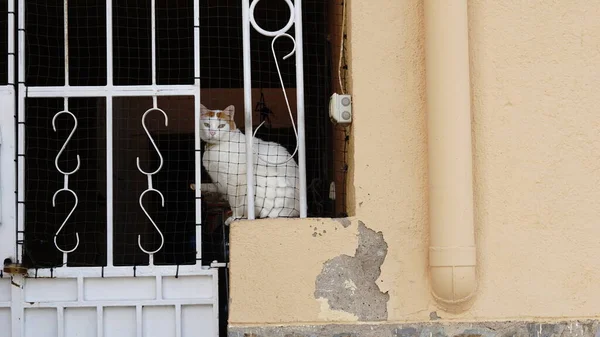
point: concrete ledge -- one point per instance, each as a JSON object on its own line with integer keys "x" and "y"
{"x": 580, "y": 328}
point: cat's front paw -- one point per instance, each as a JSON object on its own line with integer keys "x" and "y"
{"x": 232, "y": 218}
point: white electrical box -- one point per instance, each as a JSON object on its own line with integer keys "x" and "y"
{"x": 340, "y": 109}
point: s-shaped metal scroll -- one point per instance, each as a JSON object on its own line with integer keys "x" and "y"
{"x": 66, "y": 181}
{"x": 149, "y": 175}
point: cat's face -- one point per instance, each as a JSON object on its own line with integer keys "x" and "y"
{"x": 216, "y": 124}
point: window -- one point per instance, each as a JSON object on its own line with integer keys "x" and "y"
{"x": 221, "y": 84}
{"x": 102, "y": 86}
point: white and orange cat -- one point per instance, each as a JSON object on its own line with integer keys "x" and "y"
{"x": 275, "y": 177}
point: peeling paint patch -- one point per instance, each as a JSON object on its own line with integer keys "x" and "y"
{"x": 348, "y": 283}
{"x": 333, "y": 315}
{"x": 344, "y": 221}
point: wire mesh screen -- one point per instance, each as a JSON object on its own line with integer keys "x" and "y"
{"x": 317, "y": 92}
{"x": 174, "y": 218}
{"x": 132, "y": 36}
{"x": 221, "y": 76}
{"x": 222, "y": 83}
{"x": 45, "y": 55}
{"x": 43, "y": 220}
{"x": 87, "y": 66}
{"x": 338, "y": 73}
{"x": 125, "y": 63}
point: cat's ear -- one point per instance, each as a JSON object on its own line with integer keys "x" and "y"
{"x": 230, "y": 111}
{"x": 203, "y": 110}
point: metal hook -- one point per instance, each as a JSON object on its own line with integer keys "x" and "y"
{"x": 66, "y": 219}
{"x": 66, "y": 142}
{"x": 273, "y": 46}
{"x": 287, "y": 102}
{"x": 162, "y": 238}
{"x": 152, "y": 140}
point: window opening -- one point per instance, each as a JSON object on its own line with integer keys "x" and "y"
{"x": 112, "y": 68}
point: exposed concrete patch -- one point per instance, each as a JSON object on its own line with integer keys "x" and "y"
{"x": 588, "y": 328}
{"x": 434, "y": 316}
{"x": 349, "y": 282}
{"x": 344, "y": 221}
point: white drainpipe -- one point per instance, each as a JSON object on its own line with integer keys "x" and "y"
{"x": 452, "y": 257}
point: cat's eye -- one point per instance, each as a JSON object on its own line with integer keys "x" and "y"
{"x": 221, "y": 126}
{"x": 207, "y": 125}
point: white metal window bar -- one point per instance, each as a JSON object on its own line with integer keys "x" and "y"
{"x": 11, "y": 42}
{"x": 10, "y": 80}
{"x": 21, "y": 129}
{"x": 109, "y": 91}
{"x": 295, "y": 19}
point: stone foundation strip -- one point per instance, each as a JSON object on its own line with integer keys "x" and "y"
{"x": 580, "y": 328}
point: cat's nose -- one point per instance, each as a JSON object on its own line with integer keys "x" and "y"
{"x": 212, "y": 133}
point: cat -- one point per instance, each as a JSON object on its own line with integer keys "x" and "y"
{"x": 276, "y": 175}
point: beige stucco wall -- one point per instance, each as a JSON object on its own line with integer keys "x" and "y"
{"x": 535, "y": 71}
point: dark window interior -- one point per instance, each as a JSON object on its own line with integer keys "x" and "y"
{"x": 3, "y": 42}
